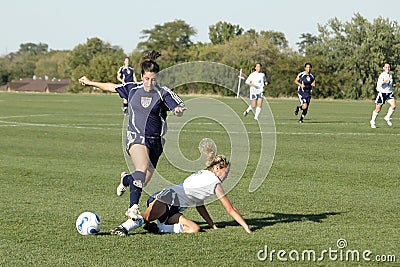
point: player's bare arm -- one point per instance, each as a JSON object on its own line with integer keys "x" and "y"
{"x": 109, "y": 87}
{"x": 206, "y": 216}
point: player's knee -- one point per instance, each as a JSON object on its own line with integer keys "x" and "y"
{"x": 192, "y": 228}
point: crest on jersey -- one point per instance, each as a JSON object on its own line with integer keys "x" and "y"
{"x": 145, "y": 101}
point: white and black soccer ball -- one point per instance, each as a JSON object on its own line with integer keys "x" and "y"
{"x": 88, "y": 223}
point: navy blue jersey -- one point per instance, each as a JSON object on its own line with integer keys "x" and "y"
{"x": 307, "y": 80}
{"x": 148, "y": 110}
{"x": 126, "y": 73}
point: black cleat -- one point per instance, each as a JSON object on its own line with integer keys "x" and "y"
{"x": 151, "y": 227}
{"x": 119, "y": 230}
{"x": 296, "y": 112}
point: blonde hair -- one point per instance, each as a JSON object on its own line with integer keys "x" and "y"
{"x": 219, "y": 160}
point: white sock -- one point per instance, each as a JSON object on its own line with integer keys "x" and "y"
{"x": 249, "y": 109}
{"x": 258, "y": 110}
{"x": 374, "y": 115}
{"x": 170, "y": 228}
{"x": 132, "y": 225}
{"x": 389, "y": 113}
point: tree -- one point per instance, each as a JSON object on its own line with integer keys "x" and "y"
{"x": 51, "y": 65}
{"x": 222, "y": 32}
{"x": 97, "y": 59}
{"x": 172, "y": 39}
{"x": 307, "y": 39}
{"x": 33, "y": 49}
{"x": 276, "y": 38}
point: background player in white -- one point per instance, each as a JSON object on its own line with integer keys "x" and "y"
{"x": 305, "y": 82}
{"x": 256, "y": 81}
{"x": 126, "y": 74}
{"x": 148, "y": 103}
{"x": 384, "y": 87}
{"x": 167, "y": 205}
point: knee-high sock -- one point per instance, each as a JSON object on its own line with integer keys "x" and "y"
{"x": 389, "y": 113}
{"x": 135, "y": 182}
{"x": 258, "y": 110}
{"x": 374, "y": 115}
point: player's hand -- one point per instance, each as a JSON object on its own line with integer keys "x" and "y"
{"x": 178, "y": 111}
{"x": 248, "y": 230}
{"x": 84, "y": 80}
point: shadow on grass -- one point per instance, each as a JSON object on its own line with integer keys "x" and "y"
{"x": 270, "y": 218}
{"x": 274, "y": 218}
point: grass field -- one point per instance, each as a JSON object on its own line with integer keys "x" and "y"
{"x": 333, "y": 180}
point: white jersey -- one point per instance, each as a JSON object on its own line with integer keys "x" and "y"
{"x": 258, "y": 79}
{"x": 384, "y": 87}
{"x": 196, "y": 188}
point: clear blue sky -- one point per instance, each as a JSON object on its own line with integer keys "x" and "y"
{"x": 63, "y": 24}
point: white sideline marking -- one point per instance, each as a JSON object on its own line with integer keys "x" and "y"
{"x": 4, "y": 123}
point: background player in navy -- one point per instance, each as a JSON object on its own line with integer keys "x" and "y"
{"x": 126, "y": 74}
{"x": 305, "y": 81}
{"x": 148, "y": 103}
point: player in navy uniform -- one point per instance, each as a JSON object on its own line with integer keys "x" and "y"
{"x": 126, "y": 74}
{"x": 148, "y": 103}
{"x": 305, "y": 81}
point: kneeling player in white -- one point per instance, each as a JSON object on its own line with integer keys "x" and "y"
{"x": 167, "y": 205}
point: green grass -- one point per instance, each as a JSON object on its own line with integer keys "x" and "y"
{"x": 332, "y": 177}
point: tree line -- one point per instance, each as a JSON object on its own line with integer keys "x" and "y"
{"x": 347, "y": 57}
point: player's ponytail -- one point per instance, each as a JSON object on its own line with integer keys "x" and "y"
{"x": 149, "y": 63}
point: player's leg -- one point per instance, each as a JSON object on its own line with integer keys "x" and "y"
{"x": 391, "y": 109}
{"x": 252, "y": 105}
{"x": 178, "y": 223}
{"x": 299, "y": 107}
{"x": 304, "y": 109}
{"x": 140, "y": 158}
{"x": 155, "y": 209}
{"x": 125, "y": 106}
{"x": 259, "y": 106}
{"x": 379, "y": 102}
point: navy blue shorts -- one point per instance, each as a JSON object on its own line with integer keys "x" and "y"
{"x": 256, "y": 96}
{"x": 304, "y": 97}
{"x": 169, "y": 197}
{"x": 154, "y": 144}
{"x": 381, "y": 98}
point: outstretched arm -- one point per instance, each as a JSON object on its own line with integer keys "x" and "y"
{"x": 232, "y": 211}
{"x": 206, "y": 216}
{"x": 109, "y": 87}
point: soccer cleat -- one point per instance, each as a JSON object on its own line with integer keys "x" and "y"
{"x": 151, "y": 227}
{"x": 133, "y": 212}
{"x": 125, "y": 109}
{"x": 121, "y": 188}
{"x": 245, "y": 113}
{"x": 296, "y": 111}
{"x": 300, "y": 121}
{"x": 119, "y": 230}
{"x": 372, "y": 123}
{"x": 388, "y": 121}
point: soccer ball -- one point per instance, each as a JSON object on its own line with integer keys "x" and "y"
{"x": 88, "y": 223}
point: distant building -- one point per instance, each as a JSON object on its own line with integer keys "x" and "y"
{"x": 38, "y": 85}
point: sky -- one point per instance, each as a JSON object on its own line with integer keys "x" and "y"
{"x": 64, "y": 24}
